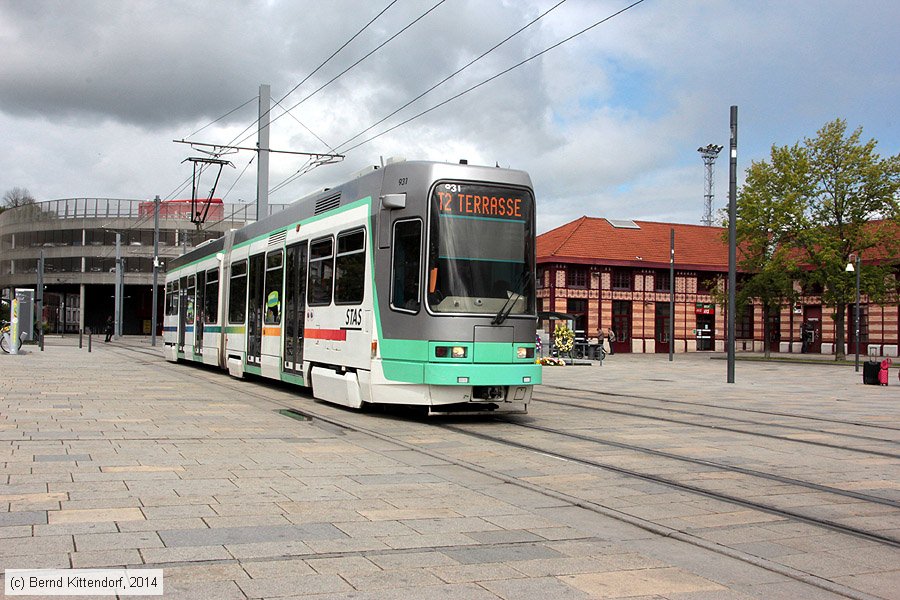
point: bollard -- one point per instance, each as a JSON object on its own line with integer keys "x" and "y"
{"x": 80, "y": 333}
{"x": 90, "y": 334}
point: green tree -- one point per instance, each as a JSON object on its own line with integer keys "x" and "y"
{"x": 839, "y": 198}
{"x": 768, "y": 205}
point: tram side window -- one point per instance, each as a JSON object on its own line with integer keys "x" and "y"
{"x": 237, "y": 297}
{"x": 191, "y": 291}
{"x": 211, "y": 308}
{"x": 350, "y": 267}
{"x": 405, "y": 267}
{"x": 274, "y": 278}
{"x": 321, "y": 268}
{"x": 171, "y": 299}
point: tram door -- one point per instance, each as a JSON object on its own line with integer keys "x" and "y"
{"x": 198, "y": 313}
{"x": 255, "y": 304}
{"x": 182, "y": 312}
{"x": 294, "y": 307}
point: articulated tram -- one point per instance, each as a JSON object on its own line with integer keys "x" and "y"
{"x": 411, "y": 284}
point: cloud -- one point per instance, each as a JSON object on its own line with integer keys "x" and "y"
{"x": 93, "y": 92}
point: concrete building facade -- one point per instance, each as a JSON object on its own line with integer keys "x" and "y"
{"x": 77, "y": 237}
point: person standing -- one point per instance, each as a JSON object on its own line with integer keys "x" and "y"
{"x": 109, "y": 328}
{"x": 611, "y": 337}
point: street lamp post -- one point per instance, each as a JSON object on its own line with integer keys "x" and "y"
{"x": 850, "y": 269}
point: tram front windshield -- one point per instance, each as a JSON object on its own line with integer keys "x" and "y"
{"x": 481, "y": 250}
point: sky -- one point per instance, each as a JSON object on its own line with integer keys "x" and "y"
{"x": 93, "y": 93}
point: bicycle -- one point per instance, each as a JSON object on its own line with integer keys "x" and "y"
{"x": 5, "y": 338}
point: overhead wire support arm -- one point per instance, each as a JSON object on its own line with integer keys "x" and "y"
{"x": 317, "y": 155}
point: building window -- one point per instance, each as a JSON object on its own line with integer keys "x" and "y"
{"x": 577, "y": 307}
{"x": 743, "y": 324}
{"x": 622, "y": 280}
{"x": 706, "y": 282}
{"x": 576, "y": 277}
{"x": 661, "y": 281}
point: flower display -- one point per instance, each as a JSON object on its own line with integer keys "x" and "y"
{"x": 563, "y": 338}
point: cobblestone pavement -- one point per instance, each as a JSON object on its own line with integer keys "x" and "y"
{"x": 115, "y": 458}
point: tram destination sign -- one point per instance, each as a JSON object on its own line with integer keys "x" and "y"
{"x": 455, "y": 199}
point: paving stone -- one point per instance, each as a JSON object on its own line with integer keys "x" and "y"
{"x": 641, "y": 582}
{"x": 189, "y": 554}
{"x": 475, "y": 572}
{"x": 73, "y": 528}
{"x": 535, "y": 588}
{"x": 61, "y": 457}
{"x": 48, "y": 544}
{"x": 269, "y": 549}
{"x": 883, "y": 584}
{"x": 106, "y": 559}
{"x": 451, "y": 525}
{"x": 411, "y": 560}
{"x": 248, "y": 535}
{"x": 391, "y": 580}
{"x": 194, "y": 590}
{"x": 94, "y": 515}
{"x": 110, "y": 541}
{"x": 203, "y": 572}
{"x": 15, "y": 531}
{"x": 8, "y": 519}
{"x": 505, "y": 553}
{"x": 273, "y": 587}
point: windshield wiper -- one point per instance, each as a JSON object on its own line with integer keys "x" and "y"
{"x": 521, "y": 284}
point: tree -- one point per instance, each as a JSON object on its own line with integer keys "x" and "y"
{"x": 839, "y": 199}
{"x": 767, "y": 207}
{"x": 16, "y": 197}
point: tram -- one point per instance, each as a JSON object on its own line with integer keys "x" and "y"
{"x": 413, "y": 283}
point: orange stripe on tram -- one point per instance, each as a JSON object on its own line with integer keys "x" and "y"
{"x": 275, "y": 331}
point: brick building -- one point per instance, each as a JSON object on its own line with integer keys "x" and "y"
{"x": 615, "y": 273}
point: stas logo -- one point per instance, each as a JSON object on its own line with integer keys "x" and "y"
{"x": 353, "y": 317}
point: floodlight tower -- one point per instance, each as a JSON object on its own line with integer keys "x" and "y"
{"x": 709, "y": 154}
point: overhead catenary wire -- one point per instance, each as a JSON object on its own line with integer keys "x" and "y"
{"x": 497, "y": 75}
{"x": 233, "y": 110}
{"x": 455, "y": 73}
{"x": 306, "y": 168}
{"x": 278, "y": 102}
{"x": 464, "y": 92}
{"x": 314, "y": 71}
{"x": 354, "y": 65}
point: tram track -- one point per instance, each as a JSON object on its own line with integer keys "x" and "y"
{"x": 726, "y": 408}
{"x": 338, "y": 417}
{"x": 785, "y": 513}
{"x": 719, "y": 427}
{"x": 631, "y": 447}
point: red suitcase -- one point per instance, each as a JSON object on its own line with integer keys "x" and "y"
{"x": 883, "y": 373}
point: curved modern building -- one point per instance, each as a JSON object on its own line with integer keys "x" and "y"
{"x": 77, "y": 237}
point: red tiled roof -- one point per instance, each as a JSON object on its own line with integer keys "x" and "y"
{"x": 592, "y": 240}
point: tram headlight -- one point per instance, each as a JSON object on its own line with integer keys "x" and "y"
{"x": 451, "y": 351}
{"x": 524, "y": 352}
